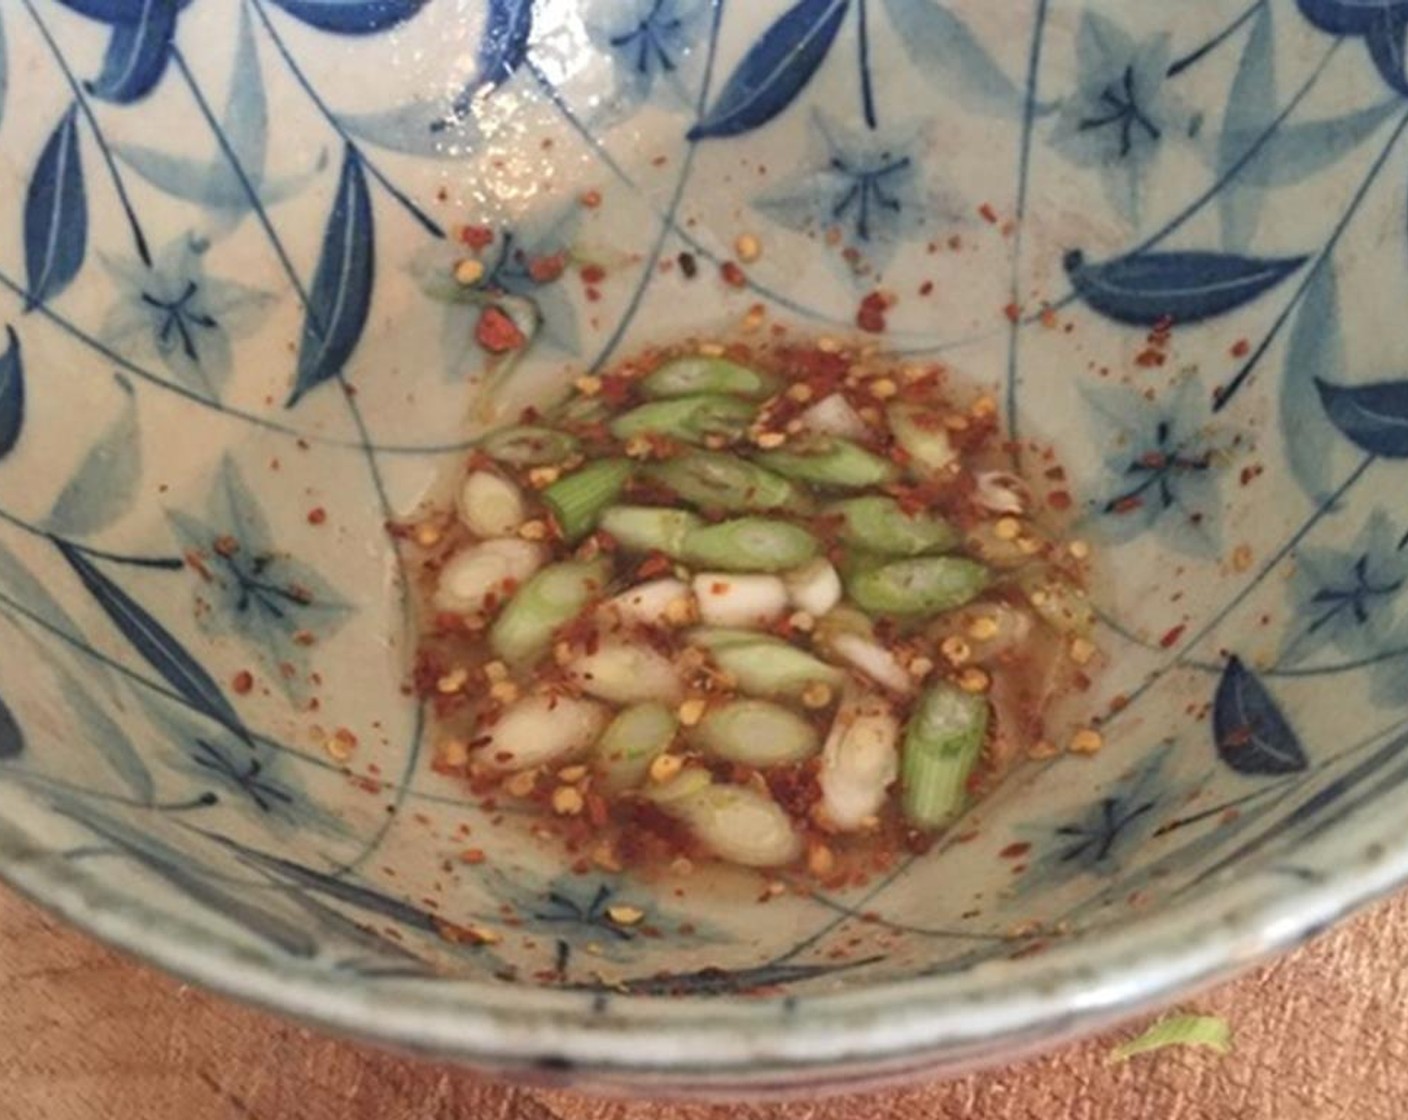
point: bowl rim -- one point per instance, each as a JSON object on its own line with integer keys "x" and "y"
{"x": 939, "y": 1024}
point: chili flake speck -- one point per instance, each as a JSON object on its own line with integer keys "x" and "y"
{"x": 497, "y": 333}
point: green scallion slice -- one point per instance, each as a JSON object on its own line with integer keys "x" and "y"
{"x": 834, "y": 463}
{"x": 880, "y": 524}
{"x": 713, "y": 480}
{"x": 529, "y": 446}
{"x": 927, "y": 585}
{"x": 941, "y": 746}
{"x": 552, "y": 598}
{"x": 686, "y": 376}
{"x": 577, "y": 500}
{"x": 689, "y": 419}
{"x": 650, "y": 528}
{"x": 634, "y": 739}
{"x": 757, "y": 733}
{"x": 750, "y": 544}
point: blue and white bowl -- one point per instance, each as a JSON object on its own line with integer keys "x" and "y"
{"x": 227, "y": 246}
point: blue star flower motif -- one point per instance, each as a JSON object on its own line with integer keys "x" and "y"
{"x": 177, "y": 314}
{"x": 1349, "y": 598}
{"x": 599, "y": 916}
{"x": 251, "y": 589}
{"x": 228, "y": 772}
{"x": 522, "y": 266}
{"x": 868, "y": 185}
{"x": 1163, "y": 471}
{"x": 1099, "y": 838}
{"x": 1121, "y": 112}
{"x": 653, "y": 47}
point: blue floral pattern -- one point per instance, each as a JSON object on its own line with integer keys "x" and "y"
{"x": 241, "y": 281}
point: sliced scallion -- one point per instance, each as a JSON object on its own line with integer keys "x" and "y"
{"x": 683, "y": 377}
{"x": 750, "y": 544}
{"x": 578, "y": 499}
{"x": 634, "y": 739}
{"x": 765, "y": 666}
{"x": 835, "y": 463}
{"x": 860, "y": 760}
{"x": 926, "y": 585}
{"x": 815, "y": 587}
{"x": 738, "y": 824}
{"x": 739, "y": 600}
{"x": 714, "y": 480}
{"x": 689, "y": 419}
{"x": 541, "y": 728}
{"x": 529, "y": 446}
{"x": 480, "y": 573}
{"x": 941, "y": 747}
{"x": 924, "y": 438}
{"x": 650, "y": 528}
{"x": 880, "y": 524}
{"x": 490, "y": 505}
{"x": 552, "y": 598}
{"x": 757, "y": 733}
{"x": 626, "y": 673}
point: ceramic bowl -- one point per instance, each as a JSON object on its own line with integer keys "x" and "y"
{"x": 1168, "y": 238}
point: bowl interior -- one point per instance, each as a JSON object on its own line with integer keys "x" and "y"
{"x": 1168, "y": 241}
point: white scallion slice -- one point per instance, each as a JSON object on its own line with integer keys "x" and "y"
{"x": 874, "y": 660}
{"x": 650, "y": 604}
{"x": 490, "y": 505}
{"x": 815, "y": 587}
{"x": 757, "y": 733}
{"x": 481, "y": 572}
{"x": 834, "y": 416}
{"x": 923, "y": 436}
{"x": 739, "y": 600}
{"x": 860, "y": 760}
{"x": 626, "y": 673}
{"x": 737, "y": 824}
{"x": 539, "y": 729}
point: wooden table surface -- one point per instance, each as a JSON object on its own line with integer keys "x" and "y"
{"x": 88, "y": 1035}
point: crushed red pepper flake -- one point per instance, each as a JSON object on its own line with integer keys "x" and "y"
{"x": 497, "y": 333}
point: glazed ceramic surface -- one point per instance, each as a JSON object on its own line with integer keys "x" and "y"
{"x": 1169, "y": 237}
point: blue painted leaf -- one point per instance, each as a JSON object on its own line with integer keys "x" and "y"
{"x": 342, "y": 287}
{"x": 4, "y": 70}
{"x": 108, "y": 11}
{"x": 364, "y": 898}
{"x": 105, "y": 734}
{"x": 11, "y": 738}
{"x": 1350, "y": 17}
{"x": 104, "y": 487}
{"x": 137, "y": 55}
{"x": 55, "y": 215}
{"x": 1251, "y": 103}
{"x": 1373, "y": 417}
{"x": 731, "y": 981}
{"x": 155, "y": 643}
{"x": 775, "y": 70}
{"x": 1386, "y": 42}
{"x": 1298, "y": 151}
{"x": 1185, "y": 287}
{"x": 1314, "y": 351}
{"x": 505, "y": 42}
{"x": 946, "y": 53}
{"x": 11, "y": 394}
{"x": 352, "y": 17}
{"x": 190, "y": 879}
{"x": 1251, "y": 734}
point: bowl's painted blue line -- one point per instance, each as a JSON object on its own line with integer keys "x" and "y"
{"x": 1024, "y": 160}
{"x": 667, "y": 220}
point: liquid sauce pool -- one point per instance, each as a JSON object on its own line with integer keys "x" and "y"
{"x": 783, "y": 607}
